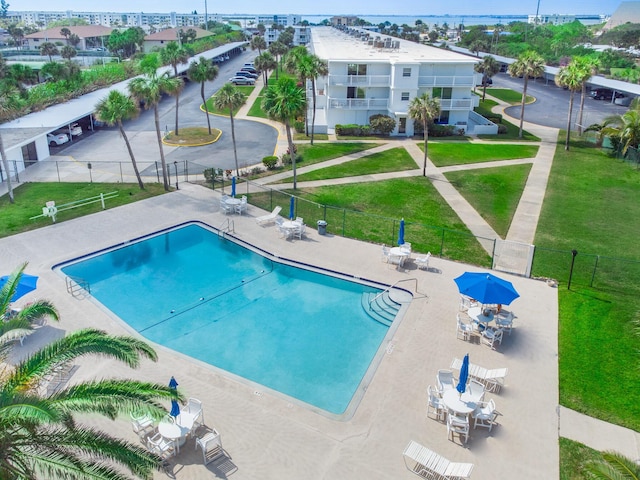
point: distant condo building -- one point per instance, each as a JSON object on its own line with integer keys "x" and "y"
{"x": 561, "y": 19}
{"x": 375, "y": 74}
{"x": 146, "y": 20}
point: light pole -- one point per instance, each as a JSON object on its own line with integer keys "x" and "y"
{"x": 175, "y": 164}
{"x": 537, "y": 12}
{"x": 206, "y": 20}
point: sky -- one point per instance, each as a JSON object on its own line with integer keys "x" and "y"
{"x": 331, "y": 7}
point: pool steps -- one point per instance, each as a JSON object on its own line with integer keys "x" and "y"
{"x": 380, "y": 307}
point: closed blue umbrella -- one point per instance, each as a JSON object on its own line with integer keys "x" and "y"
{"x": 464, "y": 375}
{"x": 292, "y": 208}
{"x": 26, "y": 284}
{"x": 175, "y": 407}
{"x": 401, "y": 233}
{"x": 233, "y": 186}
{"x": 486, "y": 288}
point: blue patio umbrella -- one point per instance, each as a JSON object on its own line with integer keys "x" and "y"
{"x": 292, "y": 208}
{"x": 486, "y": 288}
{"x": 401, "y": 233}
{"x": 175, "y": 407}
{"x": 464, "y": 375}
{"x": 233, "y": 186}
{"x": 26, "y": 284}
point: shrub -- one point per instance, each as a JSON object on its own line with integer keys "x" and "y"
{"x": 437, "y": 130}
{"x": 298, "y": 125}
{"x": 209, "y": 174}
{"x": 502, "y": 129}
{"x": 382, "y": 124}
{"x": 285, "y": 159}
{"x": 270, "y": 162}
{"x": 494, "y": 117}
{"x": 353, "y": 130}
{"x": 295, "y": 149}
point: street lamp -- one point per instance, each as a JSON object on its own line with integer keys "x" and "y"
{"x": 175, "y": 164}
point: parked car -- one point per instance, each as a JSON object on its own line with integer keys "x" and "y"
{"x": 625, "y": 101}
{"x": 57, "y": 139}
{"x": 604, "y": 94}
{"x": 76, "y": 130}
{"x": 249, "y": 69}
{"x": 245, "y": 74}
{"x": 241, "y": 80}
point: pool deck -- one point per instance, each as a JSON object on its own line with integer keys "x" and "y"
{"x": 265, "y": 435}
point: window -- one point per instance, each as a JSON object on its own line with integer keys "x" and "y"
{"x": 404, "y": 96}
{"x": 356, "y": 69}
{"x": 406, "y": 72}
{"x": 355, "y": 92}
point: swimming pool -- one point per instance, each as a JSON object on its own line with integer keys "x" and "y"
{"x": 296, "y": 331}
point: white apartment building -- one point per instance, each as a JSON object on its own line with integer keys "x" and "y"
{"x": 375, "y": 74}
{"x": 301, "y": 35}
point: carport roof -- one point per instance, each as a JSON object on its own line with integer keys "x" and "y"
{"x": 62, "y": 114}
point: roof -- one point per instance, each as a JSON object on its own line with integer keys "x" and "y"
{"x": 332, "y": 44}
{"x": 82, "y": 31}
{"x": 627, "y": 12}
{"x": 172, "y": 34}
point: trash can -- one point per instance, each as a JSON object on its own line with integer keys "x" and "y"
{"x": 322, "y": 227}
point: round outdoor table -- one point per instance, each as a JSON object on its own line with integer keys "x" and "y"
{"x": 461, "y": 404}
{"x": 475, "y": 313}
{"x": 174, "y": 432}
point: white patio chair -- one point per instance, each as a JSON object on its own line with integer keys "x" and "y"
{"x": 406, "y": 246}
{"x": 445, "y": 380}
{"x": 423, "y": 262}
{"x": 466, "y": 303}
{"x": 193, "y": 409}
{"x": 458, "y": 425}
{"x": 242, "y": 206}
{"x": 269, "y": 218}
{"x": 494, "y": 379}
{"x": 463, "y": 330}
{"x": 299, "y": 220}
{"x": 142, "y": 426}
{"x": 224, "y": 206}
{"x": 490, "y": 337}
{"x": 385, "y": 254}
{"x": 504, "y": 320}
{"x": 435, "y": 402}
{"x": 161, "y": 446}
{"x": 211, "y": 445}
{"x": 475, "y": 391}
{"x": 485, "y": 416}
{"x": 300, "y": 231}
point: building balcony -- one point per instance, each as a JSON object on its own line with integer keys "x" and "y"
{"x": 446, "y": 81}
{"x": 360, "y": 80}
{"x": 456, "y": 103}
{"x": 359, "y": 103}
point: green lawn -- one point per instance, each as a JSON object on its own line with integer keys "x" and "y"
{"x": 591, "y": 206}
{"x": 371, "y": 211}
{"x": 256, "y": 108}
{"x": 443, "y": 154}
{"x": 573, "y": 456}
{"x": 493, "y": 192}
{"x": 393, "y": 160}
{"x": 244, "y": 89}
{"x": 484, "y": 108}
{"x": 512, "y": 134}
{"x": 508, "y": 95}
{"x": 304, "y": 137}
{"x": 31, "y": 197}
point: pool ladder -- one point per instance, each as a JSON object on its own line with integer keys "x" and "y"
{"x": 77, "y": 287}
{"x": 227, "y": 226}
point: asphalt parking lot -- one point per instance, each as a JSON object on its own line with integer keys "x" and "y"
{"x": 253, "y": 140}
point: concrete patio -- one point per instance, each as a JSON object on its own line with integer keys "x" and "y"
{"x": 267, "y": 435}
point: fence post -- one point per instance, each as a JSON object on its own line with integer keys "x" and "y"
{"x": 102, "y": 200}
{"x": 574, "y": 252}
{"x": 595, "y": 267}
{"x": 157, "y": 173}
{"x": 493, "y": 253}
{"x": 121, "y": 177}
{"x": 344, "y": 219}
{"x": 442, "y": 243}
{"x": 58, "y": 170}
{"x": 90, "y": 174}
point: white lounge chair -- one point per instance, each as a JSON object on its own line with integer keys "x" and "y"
{"x": 494, "y": 379}
{"x": 429, "y": 464}
{"x": 269, "y": 218}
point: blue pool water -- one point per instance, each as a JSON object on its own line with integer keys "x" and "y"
{"x": 295, "y": 331}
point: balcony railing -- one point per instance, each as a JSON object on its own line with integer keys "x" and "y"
{"x": 456, "y": 103}
{"x": 358, "y": 103}
{"x": 360, "y": 80}
{"x": 446, "y": 81}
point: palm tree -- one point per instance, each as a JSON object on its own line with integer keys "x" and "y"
{"x": 488, "y": 67}
{"x": 589, "y": 67}
{"x": 626, "y": 127}
{"x": 203, "y": 71}
{"x": 68, "y": 52}
{"x": 265, "y": 62}
{"x": 113, "y": 109}
{"x": 230, "y": 97}
{"x": 424, "y": 109}
{"x": 40, "y": 436}
{"x": 5, "y": 166}
{"x": 278, "y": 49}
{"x": 66, "y": 33}
{"x": 49, "y": 49}
{"x": 570, "y": 77}
{"x": 612, "y": 466}
{"x": 20, "y": 324}
{"x": 283, "y": 102}
{"x": 258, "y": 43}
{"x": 149, "y": 89}
{"x": 528, "y": 64}
{"x": 174, "y": 54}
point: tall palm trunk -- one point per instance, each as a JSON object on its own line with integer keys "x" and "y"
{"x": 566, "y": 142}
{"x": 133, "y": 159}
{"x": 5, "y": 165}
{"x": 426, "y": 140}
{"x": 292, "y": 153}
{"x": 524, "y": 99}
{"x": 583, "y": 95}
{"x": 165, "y": 179}
{"x": 175, "y": 75}
{"x": 233, "y": 139}
{"x": 313, "y": 115}
{"x": 206, "y": 109}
